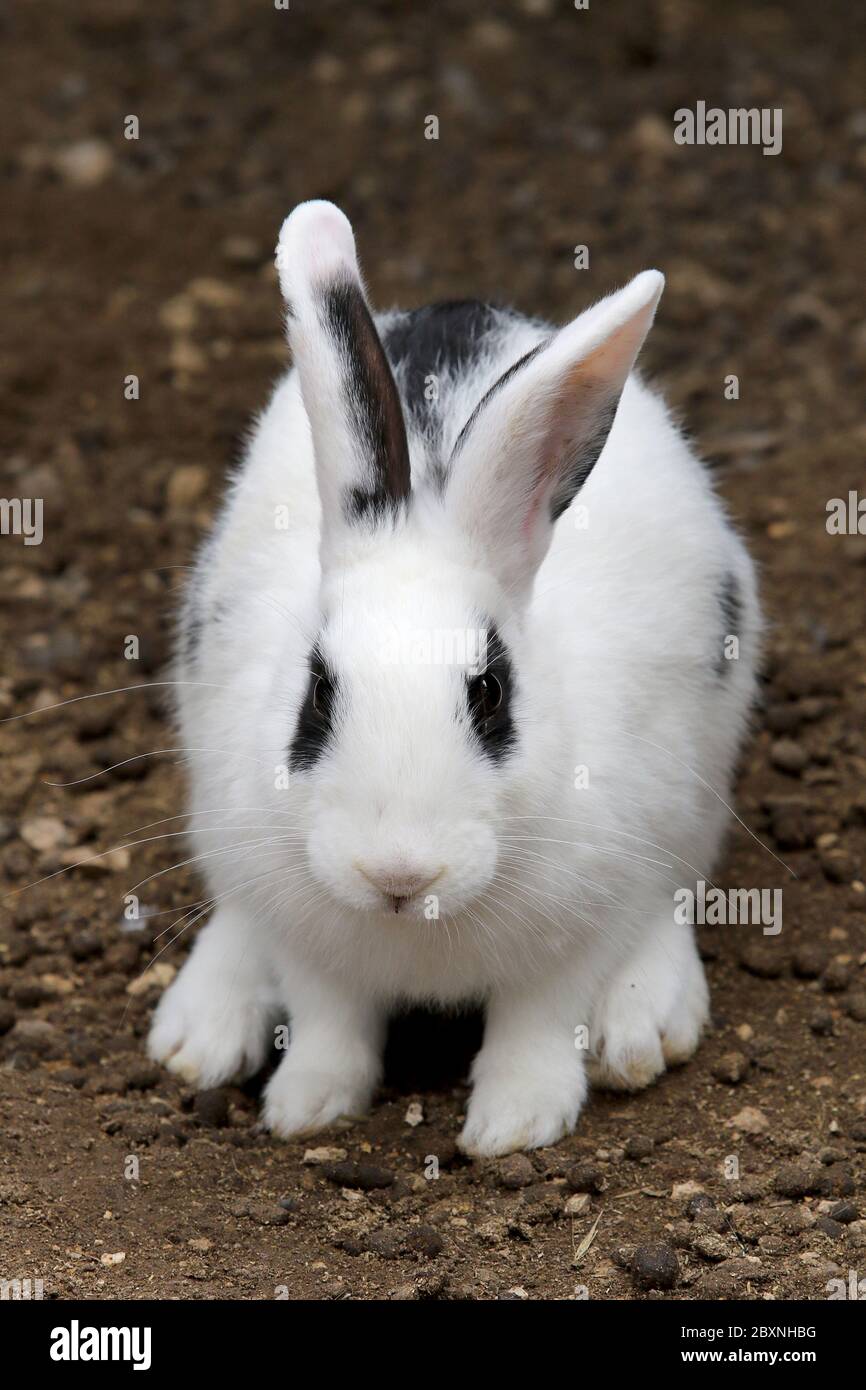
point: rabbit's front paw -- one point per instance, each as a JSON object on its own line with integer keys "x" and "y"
{"x": 207, "y": 1038}
{"x": 211, "y": 1025}
{"x": 299, "y": 1100}
{"x": 651, "y": 1016}
{"x": 507, "y": 1112}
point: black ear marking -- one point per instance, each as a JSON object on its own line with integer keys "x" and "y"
{"x": 315, "y": 719}
{"x": 376, "y": 415}
{"x": 494, "y": 389}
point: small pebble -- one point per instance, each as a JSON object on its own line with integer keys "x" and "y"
{"x": 822, "y": 1023}
{"x": 844, "y": 1213}
{"x": 829, "y": 1227}
{"x": 855, "y": 1006}
{"x": 655, "y": 1266}
{"x": 28, "y": 994}
{"x": 730, "y": 1068}
{"x": 639, "y": 1146}
{"x": 386, "y": 1244}
{"x": 762, "y": 960}
{"x": 585, "y": 1177}
{"x": 838, "y": 866}
{"x": 836, "y": 977}
{"x": 36, "y": 1035}
{"x": 186, "y": 485}
{"x": 426, "y": 1241}
{"x": 808, "y": 961}
{"x": 516, "y": 1171}
{"x": 788, "y": 756}
{"x": 326, "y": 1153}
{"x": 44, "y": 833}
{"x": 85, "y": 163}
{"x": 796, "y": 1180}
{"x": 835, "y": 1181}
{"x": 750, "y": 1120}
{"x": 702, "y": 1201}
{"x": 263, "y": 1213}
{"x": 212, "y": 1107}
{"x": 710, "y": 1245}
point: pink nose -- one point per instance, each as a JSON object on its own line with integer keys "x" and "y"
{"x": 399, "y": 884}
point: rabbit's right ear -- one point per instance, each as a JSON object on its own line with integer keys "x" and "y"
{"x": 359, "y": 436}
{"x": 531, "y": 443}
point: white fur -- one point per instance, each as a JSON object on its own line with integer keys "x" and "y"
{"x": 556, "y": 903}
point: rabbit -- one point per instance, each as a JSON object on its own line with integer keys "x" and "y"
{"x": 453, "y": 676}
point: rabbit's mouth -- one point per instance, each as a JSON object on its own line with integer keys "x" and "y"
{"x": 401, "y": 886}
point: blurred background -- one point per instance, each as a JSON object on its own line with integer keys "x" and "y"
{"x": 151, "y": 259}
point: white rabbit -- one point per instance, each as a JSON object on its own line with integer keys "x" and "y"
{"x": 511, "y": 832}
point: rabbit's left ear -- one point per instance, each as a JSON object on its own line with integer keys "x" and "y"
{"x": 532, "y": 441}
{"x": 359, "y": 436}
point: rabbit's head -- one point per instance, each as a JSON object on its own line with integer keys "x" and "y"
{"x": 419, "y": 718}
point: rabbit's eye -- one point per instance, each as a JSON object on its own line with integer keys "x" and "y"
{"x": 323, "y": 693}
{"x": 315, "y": 717}
{"x": 485, "y": 696}
{"x": 488, "y": 696}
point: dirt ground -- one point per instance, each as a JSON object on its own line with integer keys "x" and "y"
{"x": 152, "y": 257}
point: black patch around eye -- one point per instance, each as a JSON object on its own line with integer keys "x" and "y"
{"x": 315, "y": 719}
{"x": 488, "y": 696}
{"x": 731, "y": 607}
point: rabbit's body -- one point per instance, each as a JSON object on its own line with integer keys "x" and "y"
{"x": 553, "y": 839}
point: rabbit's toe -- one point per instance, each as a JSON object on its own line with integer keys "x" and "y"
{"x": 652, "y": 1016}
{"x": 505, "y": 1115}
{"x": 301, "y": 1101}
{"x": 207, "y": 1040}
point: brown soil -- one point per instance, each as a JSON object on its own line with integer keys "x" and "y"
{"x": 153, "y": 257}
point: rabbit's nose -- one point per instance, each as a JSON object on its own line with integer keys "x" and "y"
{"x": 399, "y": 885}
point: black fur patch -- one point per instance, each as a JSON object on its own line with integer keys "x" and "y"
{"x": 315, "y": 719}
{"x": 375, "y": 413}
{"x": 495, "y": 732}
{"x": 437, "y": 339}
{"x": 731, "y": 608}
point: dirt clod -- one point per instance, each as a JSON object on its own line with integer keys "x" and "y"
{"x": 655, "y": 1266}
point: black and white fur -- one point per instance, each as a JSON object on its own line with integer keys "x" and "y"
{"x": 513, "y": 833}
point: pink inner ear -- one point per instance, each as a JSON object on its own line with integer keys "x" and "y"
{"x": 529, "y": 520}
{"x": 574, "y": 407}
{"x": 570, "y": 413}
